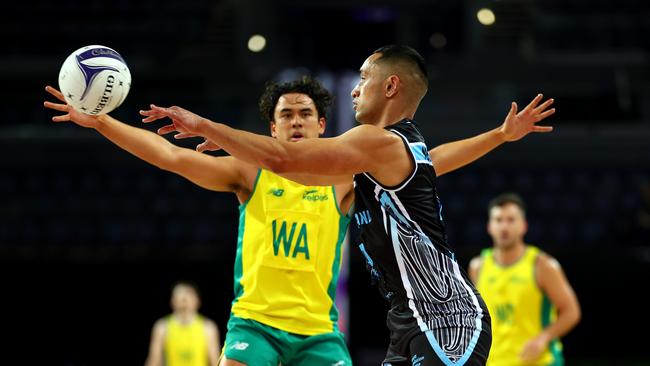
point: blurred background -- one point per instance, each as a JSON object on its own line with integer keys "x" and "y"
{"x": 91, "y": 238}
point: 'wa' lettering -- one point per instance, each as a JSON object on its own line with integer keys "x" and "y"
{"x": 280, "y": 238}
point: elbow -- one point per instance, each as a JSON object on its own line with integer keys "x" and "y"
{"x": 577, "y": 316}
{"x": 572, "y": 316}
{"x": 170, "y": 160}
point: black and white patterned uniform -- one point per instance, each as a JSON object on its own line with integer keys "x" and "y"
{"x": 402, "y": 235}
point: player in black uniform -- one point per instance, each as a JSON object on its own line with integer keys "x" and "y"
{"x": 436, "y": 316}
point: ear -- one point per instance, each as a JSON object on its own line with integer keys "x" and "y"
{"x": 525, "y": 226}
{"x": 272, "y": 126}
{"x": 322, "y": 122}
{"x": 392, "y": 85}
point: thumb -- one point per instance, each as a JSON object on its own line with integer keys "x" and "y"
{"x": 183, "y": 135}
{"x": 513, "y": 109}
{"x": 202, "y": 146}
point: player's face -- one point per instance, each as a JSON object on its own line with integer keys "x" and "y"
{"x": 507, "y": 225}
{"x": 367, "y": 95}
{"x": 296, "y": 118}
{"x": 184, "y": 298}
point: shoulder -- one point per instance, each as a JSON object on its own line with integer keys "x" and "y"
{"x": 546, "y": 262}
{"x": 239, "y": 165}
{"x": 160, "y": 326}
{"x": 246, "y": 172}
{"x": 209, "y": 322}
{"x": 210, "y": 326}
{"x": 475, "y": 266}
{"x": 476, "y": 263}
{"x": 547, "y": 269}
{"x": 371, "y": 133}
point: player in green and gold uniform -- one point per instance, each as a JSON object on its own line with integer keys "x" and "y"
{"x": 290, "y": 235}
{"x": 288, "y": 260}
{"x": 529, "y": 298}
{"x": 185, "y": 337}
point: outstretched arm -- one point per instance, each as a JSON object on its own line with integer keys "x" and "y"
{"x": 451, "y": 156}
{"x": 219, "y": 174}
{"x": 207, "y": 145}
{"x": 363, "y": 148}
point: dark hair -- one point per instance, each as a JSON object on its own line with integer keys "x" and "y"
{"x": 187, "y": 283}
{"x": 305, "y": 85}
{"x": 506, "y": 198}
{"x": 397, "y": 53}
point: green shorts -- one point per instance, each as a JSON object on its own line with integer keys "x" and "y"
{"x": 257, "y": 344}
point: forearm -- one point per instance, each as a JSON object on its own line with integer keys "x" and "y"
{"x": 153, "y": 360}
{"x": 144, "y": 144}
{"x": 259, "y": 150}
{"x": 565, "y": 321}
{"x": 453, "y": 155}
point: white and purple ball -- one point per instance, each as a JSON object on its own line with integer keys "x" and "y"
{"x": 94, "y": 80}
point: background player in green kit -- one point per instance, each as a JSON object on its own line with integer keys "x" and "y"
{"x": 290, "y": 235}
{"x": 530, "y": 299}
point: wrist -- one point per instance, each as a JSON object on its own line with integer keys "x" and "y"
{"x": 101, "y": 121}
{"x": 546, "y": 337}
{"x": 500, "y": 134}
{"x": 201, "y": 126}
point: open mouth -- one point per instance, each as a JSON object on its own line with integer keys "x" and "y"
{"x": 297, "y": 136}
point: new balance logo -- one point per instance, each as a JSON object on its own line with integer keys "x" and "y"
{"x": 239, "y": 346}
{"x": 277, "y": 192}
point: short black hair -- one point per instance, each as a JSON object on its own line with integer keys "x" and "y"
{"x": 396, "y": 52}
{"x": 187, "y": 283}
{"x": 507, "y": 198}
{"x": 305, "y": 85}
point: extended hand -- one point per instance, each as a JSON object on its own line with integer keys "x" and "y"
{"x": 183, "y": 121}
{"x": 82, "y": 119}
{"x": 180, "y": 119}
{"x": 518, "y": 125}
{"x": 533, "y": 348}
{"x": 206, "y": 145}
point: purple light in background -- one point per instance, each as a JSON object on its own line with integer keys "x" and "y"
{"x": 377, "y": 14}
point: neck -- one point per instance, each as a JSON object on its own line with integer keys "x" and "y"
{"x": 507, "y": 256}
{"x": 393, "y": 113}
{"x": 184, "y": 316}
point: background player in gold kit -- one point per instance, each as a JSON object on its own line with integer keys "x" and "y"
{"x": 530, "y": 299}
{"x": 184, "y": 337}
